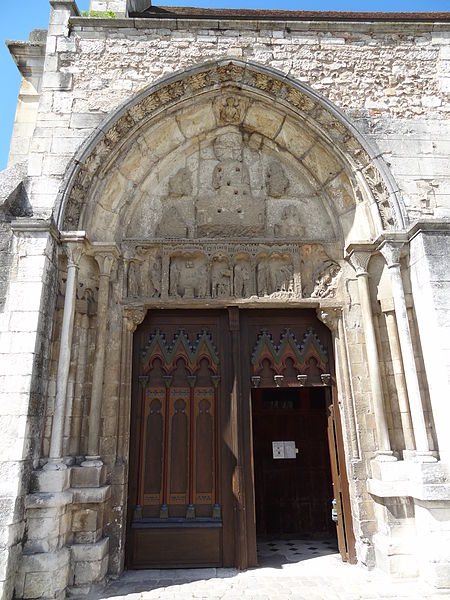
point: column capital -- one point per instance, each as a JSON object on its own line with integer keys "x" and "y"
{"x": 359, "y": 259}
{"x": 330, "y": 317}
{"x": 391, "y": 252}
{"x": 105, "y": 262}
{"x": 74, "y": 251}
{"x": 133, "y": 317}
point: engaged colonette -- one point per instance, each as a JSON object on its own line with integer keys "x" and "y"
{"x": 221, "y": 190}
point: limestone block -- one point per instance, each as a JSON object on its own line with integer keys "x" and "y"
{"x": 43, "y": 575}
{"x": 90, "y": 572}
{"x": 164, "y": 138}
{"x": 263, "y": 119}
{"x": 87, "y": 537}
{"x": 294, "y": 138}
{"x": 58, "y": 81}
{"x": 50, "y": 481}
{"x": 88, "y": 477}
{"x": 85, "y": 519}
{"x": 90, "y": 552}
{"x": 96, "y": 495}
{"x": 197, "y": 121}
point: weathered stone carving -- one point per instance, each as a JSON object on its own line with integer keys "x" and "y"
{"x": 221, "y": 278}
{"x": 243, "y": 279}
{"x": 172, "y": 223}
{"x": 231, "y": 110}
{"x": 223, "y": 270}
{"x": 381, "y": 195}
{"x": 133, "y": 280}
{"x": 144, "y": 275}
{"x": 227, "y": 74}
{"x": 189, "y": 277}
{"x": 326, "y": 283}
{"x": 232, "y": 209}
{"x": 181, "y": 183}
{"x": 290, "y": 223}
{"x": 151, "y": 278}
{"x": 274, "y": 275}
{"x": 320, "y": 274}
{"x": 277, "y": 182}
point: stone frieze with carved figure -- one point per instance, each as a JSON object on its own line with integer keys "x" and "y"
{"x": 228, "y": 269}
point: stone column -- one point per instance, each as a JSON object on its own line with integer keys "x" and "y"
{"x": 387, "y": 308}
{"x": 333, "y": 319}
{"x": 359, "y": 261}
{"x": 80, "y": 381}
{"x": 391, "y": 252}
{"x": 74, "y": 252}
{"x": 105, "y": 261}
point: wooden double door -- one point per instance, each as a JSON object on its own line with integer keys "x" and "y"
{"x": 211, "y": 391}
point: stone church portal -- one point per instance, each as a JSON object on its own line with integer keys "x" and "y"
{"x": 225, "y": 304}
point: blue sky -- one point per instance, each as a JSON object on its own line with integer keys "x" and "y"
{"x": 19, "y": 17}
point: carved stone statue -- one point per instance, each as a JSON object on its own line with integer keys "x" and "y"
{"x": 231, "y": 208}
{"x": 174, "y": 278}
{"x": 231, "y": 110}
{"x": 290, "y": 223}
{"x": 189, "y": 277}
{"x": 242, "y": 279}
{"x": 154, "y": 281}
{"x": 277, "y": 182}
{"x": 203, "y": 280}
{"x": 285, "y": 278}
{"x": 220, "y": 279}
{"x": 133, "y": 280}
{"x": 262, "y": 277}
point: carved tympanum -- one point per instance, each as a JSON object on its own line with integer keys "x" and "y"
{"x": 290, "y": 224}
{"x": 181, "y": 183}
{"x": 231, "y": 208}
{"x": 277, "y": 182}
{"x": 172, "y": 224}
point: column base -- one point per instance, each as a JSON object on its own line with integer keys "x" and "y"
{"x": 385, "y": 456}
{"x": 55, "y": 464}
{"x": 92, "y": 461}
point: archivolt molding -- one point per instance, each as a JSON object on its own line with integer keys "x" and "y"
{"x": 331, "y": 124}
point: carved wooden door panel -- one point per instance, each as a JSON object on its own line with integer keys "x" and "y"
{"x": 176, "y": 515}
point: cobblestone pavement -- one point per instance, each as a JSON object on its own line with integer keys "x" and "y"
{"x": 291, "y": 570}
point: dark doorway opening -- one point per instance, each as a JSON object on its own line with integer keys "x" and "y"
{"x": 293, "y": 483}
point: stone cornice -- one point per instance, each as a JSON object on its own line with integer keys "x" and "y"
{"x": 226, "y": 23}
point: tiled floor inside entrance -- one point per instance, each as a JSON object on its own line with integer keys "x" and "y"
{"x": 275, "y": 553}
{"x": 289, "y": 570}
